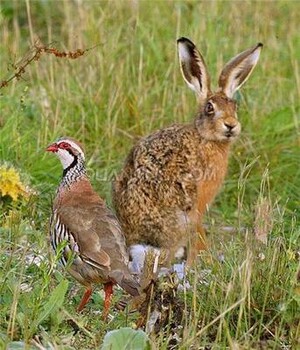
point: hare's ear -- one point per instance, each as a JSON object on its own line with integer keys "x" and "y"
{"x": 193, "y": 68}
{"x": 238, "y": 70}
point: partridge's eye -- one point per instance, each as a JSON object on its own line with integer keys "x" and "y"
{"x": 64, "y": 145}
{"x": 209, "y": 108}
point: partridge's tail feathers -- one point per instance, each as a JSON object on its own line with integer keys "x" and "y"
{"x": 126, "y": 281}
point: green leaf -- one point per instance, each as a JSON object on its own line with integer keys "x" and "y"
{"x": 54, "y": 303}
{"x": 126, "y": 339}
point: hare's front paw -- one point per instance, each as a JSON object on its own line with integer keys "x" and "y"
{"x": 137, "y": 253}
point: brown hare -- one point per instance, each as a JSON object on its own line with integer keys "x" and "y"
{"x": 171, "y": 176}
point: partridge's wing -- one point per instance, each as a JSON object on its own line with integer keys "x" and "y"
{"x": 97, "y": 233}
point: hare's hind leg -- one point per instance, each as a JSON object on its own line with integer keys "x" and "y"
{"x": 201, "y": 243}
{"x": 197, "y": 244}
{"x": 196, "y": 241}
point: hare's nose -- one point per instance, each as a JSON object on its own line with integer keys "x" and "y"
{"x": 229, "y": 126}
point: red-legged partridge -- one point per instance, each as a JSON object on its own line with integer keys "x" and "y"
{"x": 85, "y": 230}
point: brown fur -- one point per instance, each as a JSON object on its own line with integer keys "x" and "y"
{"x": 180, "y": 173}
{"x": 170, "y": 177}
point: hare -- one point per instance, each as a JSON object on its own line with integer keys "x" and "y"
{"x": 171, "y": 176}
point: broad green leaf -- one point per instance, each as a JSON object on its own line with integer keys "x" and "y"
{"x": 126, "y": 339}
{"x": 54, "y": 303}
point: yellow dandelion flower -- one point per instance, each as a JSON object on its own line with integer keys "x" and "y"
{"x": 10, "y": 183}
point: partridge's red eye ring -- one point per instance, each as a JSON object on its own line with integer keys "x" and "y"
{"x": 64, "y": 145}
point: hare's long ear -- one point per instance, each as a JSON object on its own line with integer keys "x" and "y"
{"x": 238, "y": 70}
{"x": 193, "y": 68}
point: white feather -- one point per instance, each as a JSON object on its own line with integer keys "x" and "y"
{"x": 65, "y": 157}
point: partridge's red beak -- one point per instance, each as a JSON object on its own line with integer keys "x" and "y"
{"x": 52, "y": 148}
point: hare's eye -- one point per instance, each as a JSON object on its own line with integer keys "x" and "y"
{"x": 209, "y": 108}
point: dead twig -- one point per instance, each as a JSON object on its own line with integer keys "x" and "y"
{"x": 35, "y": 54}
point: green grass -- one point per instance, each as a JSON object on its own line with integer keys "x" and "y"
{"x": 126, "y": 87}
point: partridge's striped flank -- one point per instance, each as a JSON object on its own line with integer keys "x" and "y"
{"x": 60, "y": 236}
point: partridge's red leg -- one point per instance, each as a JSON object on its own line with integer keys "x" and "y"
{"x": 108, "y": 289}
{"x": 86, "y": 297}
